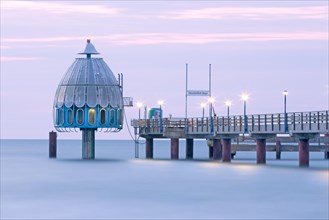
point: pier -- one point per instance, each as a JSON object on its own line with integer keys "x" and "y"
{"x": 221, "y": 130}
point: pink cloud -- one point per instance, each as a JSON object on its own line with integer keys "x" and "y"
{"x": 253, "y": 13}
{"x": 179, "y": 38}
{"x": 59, "y": 7}
{"x": 9, "y": 59}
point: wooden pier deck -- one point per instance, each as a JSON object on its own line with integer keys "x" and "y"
{"x": 221, "y": 130}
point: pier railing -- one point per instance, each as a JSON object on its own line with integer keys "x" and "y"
{"x": 308, "y": 122}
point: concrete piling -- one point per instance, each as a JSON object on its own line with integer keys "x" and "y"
{"x": 226, "y": 145}
{"x": 261, "y": 150}
{"x": 149, "y": 148}
{"x": 217, "y": 150}
{"x": 88, "y": 144}
{"x": 174, "y": 145}
{"x": 52, "y": 144}
{"x": 189, "y": 148}
{"x": 304, "y": 153}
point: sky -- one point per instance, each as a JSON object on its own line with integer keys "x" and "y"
{"x": 257, "y": 47}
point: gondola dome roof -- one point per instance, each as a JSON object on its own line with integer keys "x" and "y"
{"x": 89, "y": 81}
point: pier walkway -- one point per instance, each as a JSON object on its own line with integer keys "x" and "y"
{"x": 302, "y": 126}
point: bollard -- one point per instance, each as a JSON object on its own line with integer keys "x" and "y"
{"x": 174, "y": 143}
{"x": 52, "y": 144}
{"x": 189, "y": 148}
{"x": 149, "y": 148}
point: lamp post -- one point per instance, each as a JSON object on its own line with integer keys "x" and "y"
{"x": 145, "y": 113}
{"x": 203, "y": 105}
{"x": 245, "y": 98}
{"x": 211, "y": 100}
{"x": 160, "y": 103}
{"x": 228, "y": 103}
{"x": 285, "y": 93}
{"x": 139, "y": 105}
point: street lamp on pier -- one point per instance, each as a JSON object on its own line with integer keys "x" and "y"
{"x": 228, "y": 103}
{"x": 245, "y": 98}
{"x": 285, "y": 93}
{"x": 139, "y": 105}
{"x": 211, "y": 101}
{"x": 203, "y": 105}
{"x": 160, "y": 103}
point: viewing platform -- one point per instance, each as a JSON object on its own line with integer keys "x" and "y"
{"x": 221, "y": 130}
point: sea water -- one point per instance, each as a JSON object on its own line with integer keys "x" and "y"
{"x": 116, "y": 185}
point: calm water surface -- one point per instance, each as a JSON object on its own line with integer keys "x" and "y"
{"x": 117, "y": 186}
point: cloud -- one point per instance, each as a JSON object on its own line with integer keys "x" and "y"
{"x": 59, "y": 7}
{"x": 178, "y": 38}
{"x": 175, "y": 38}
{"x": 42, "y": 39}
{"x": 10, "y": 59}
{"x": 251, "y": 13}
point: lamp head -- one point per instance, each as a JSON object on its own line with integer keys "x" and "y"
{"x": 285, "y": 92}
{"x": 228, "y": 103}
{"x": 211, "y": 100}
{"x": 245, "y": 97}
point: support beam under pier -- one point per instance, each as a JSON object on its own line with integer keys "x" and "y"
{"x": 226, "y": 144}
{"x": 326, "y": 155}
{"x": 304, "y": 147}
{"x": 217, "y": 150}
{"x": 149, "y": 148}
{"x": 189, "y": 148}
{"x": 261, "y": 146}
{"x": 211, "y": 152}
{"x": 174, "y": 145}
{"x": 261, "y": 150}
{"x": 304, "y": 153}
{"x": 278, "y": 150}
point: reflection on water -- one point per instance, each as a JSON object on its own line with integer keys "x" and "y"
{"x": 209, "y": 165}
